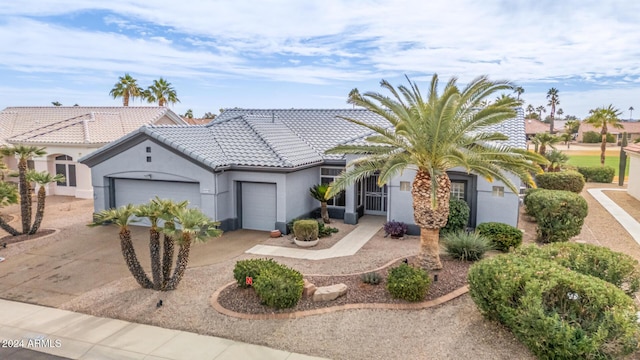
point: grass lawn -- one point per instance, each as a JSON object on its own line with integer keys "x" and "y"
{"x": 594, "y": 160}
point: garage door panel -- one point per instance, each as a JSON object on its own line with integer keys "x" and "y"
{"x": 258, "y": 206}
{"x": 130, "y": 191}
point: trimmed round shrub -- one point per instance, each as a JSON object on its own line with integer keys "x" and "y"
{"x": 557, "y": 313}
{"x": 559, "y": 214}
{"x": 279, "y": 287}
{"x": 305, "y": 230}
{"x": 408, "y": 283}
{"x": 592, "y": 137}
{"x": 466, "y": 246}
{"x": 616, "y": 268}
{"x": 502, "y": 236}
{"x": 458, "y": 216}
{"x": 251, "y": 268}
{"x": 529, "y": 209}
{"x": 565, "y": 180}
{"x": 598, "y": 174}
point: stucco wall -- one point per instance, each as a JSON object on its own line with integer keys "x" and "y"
{"x": 165, "y": 165}
{"x": 633, "y": 184}
{"x": 299, "y": 202}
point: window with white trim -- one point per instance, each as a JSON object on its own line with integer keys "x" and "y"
{"x": 66, "y": 167}
{"x": 327, "y": 176}
{"x": 457, "y": 190}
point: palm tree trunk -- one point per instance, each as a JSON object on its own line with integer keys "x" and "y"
{"x": 125, "y": 100}
{"x": 129, "y": 254}
{"x": 8, "y": 228}
{"x": 42, "y": 195}
{"x": 154, "y": 251}
{"x": 603, "y": 145}
{"x": 25, "y": 198}
{"x": 429, "y": 257}
{"x": 324, "y": 212}
{"x": 181, "y": 264}
{"x": 167, "y": 260}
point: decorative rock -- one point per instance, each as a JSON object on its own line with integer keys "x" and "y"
{"x": 309, "y": 289}
{"x": 328, "y": 293}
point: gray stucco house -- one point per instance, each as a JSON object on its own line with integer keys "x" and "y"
{"x": 252, "y": 169}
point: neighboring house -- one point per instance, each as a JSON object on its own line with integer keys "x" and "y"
{"x": 68, "y": 133}
{"x": 631, "y": 128}
{"x": 253, "y": 169}
{"x": 633, "y": 184}
{"x": 535, "y": 126}
{"x": 194, "y": 121}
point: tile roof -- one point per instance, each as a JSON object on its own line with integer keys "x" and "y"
{"x": 75, "y": 124}
{"x": 279, "y": 138}
{"x": 629, "y": 127}
{"x": 194, "y": 121}
{"x": 634, "y": 148}
{"x": 535, "y": 126}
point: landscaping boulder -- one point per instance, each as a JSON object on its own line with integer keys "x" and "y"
{"x": 309, "y": 289}
{"x": 328, "y": 293}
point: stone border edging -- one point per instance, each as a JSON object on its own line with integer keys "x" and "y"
{"x": 304, "y": 313}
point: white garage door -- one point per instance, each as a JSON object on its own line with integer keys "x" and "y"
{"x": 129, "y": 191}
{"x": 258, "y": 206}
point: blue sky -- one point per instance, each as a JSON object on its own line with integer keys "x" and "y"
{"x": 310, "y": 54}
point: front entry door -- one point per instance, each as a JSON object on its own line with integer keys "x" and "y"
{"x": 375, "y": 197}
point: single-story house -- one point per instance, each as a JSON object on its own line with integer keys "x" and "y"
{"x": 633, "y": 184}
{"x": 534, "y": 126}
{"x": 631, "y": 128}
{"x": 70, "y": 132}
{"x": 252, "y": 169}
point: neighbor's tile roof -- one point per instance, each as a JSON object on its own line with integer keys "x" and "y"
{"x": 535, "y": 126}
{"x": 629, "y": 127}
{"x": 634, "y": 148}
{"x": 280, "y": 138}
{"x": 75, "y": 124}
{"x": 194, "y": 121}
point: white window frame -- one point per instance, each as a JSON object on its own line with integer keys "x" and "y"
{"x": 331, "y": 202}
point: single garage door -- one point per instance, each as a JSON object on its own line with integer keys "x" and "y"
{"x": 129, "y": 191}
{"x": 258, "y": 206}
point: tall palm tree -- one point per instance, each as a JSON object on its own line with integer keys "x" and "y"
{"x": 8, "y": 196}
{"x": 162, "y": 92}
{"x": 541, "y": 109}
{"x": 542, "y": 140}
{"x": 631, "y": 113}
{"x": 123, "y": 217}
{"x": 42, "y": 179}
{"x": 434, "y": 134}
{"x": 518, "y": 90}
{"x": 24, "y": 153}
{"x": 319, "y": 192}
{"x": 194, "y": 226}
{"x": 530, "y": 109}
{"x": 603, "y": 118}
{"x": 127, "y": 88}
{"x": 552, "y": 95}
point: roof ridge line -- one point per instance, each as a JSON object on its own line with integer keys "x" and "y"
{"x": 75, "y": 118}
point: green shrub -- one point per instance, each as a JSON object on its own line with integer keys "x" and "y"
{"x": 305, "y": 230}
{"x": 251, "y": 268}
{"x": 502, "y": 236}
{"x": 466, "y": 246}
{"x": 598, "y": 174}
{"x": 324, "y": 231}
{"x": 613, "y": 267}
{"x": 566, "y": 180}
{"x": 559, "y": 214}
{"x": 408, "y": 283}
{"x": 557, "y": 313}
{"x": 592, "y": 137}
{"x": 528, "y": 207}
{"x": 279, "y": 287}
{"x": 458, "y": 216}
{"x": 372, "y": 278}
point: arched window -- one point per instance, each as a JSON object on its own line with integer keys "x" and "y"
{"x": 66, "y": 167}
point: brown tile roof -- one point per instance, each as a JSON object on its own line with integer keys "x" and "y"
{"x": 535, "y": 126}
{"x": 194, "y": 121}
{"x": 76, "y": 124}
{"x": 634, "y": 148}
{"x": 629, "y": 127}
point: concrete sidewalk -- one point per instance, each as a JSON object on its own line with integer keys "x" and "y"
{"x": 66, "y": 334}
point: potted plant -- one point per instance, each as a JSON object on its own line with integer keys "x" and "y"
{"x": 395, "y": 229}
{"x": 319, "y": 193}
{"x": 305, "y": 233}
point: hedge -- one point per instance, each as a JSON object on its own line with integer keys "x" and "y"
{"x": 565, "y": 180}
{"x": 559, "y": 214}
{"x": 599, "y": 174}
{"x": 502, "y": 236}
{"x": 556, "y": 312}
{"x": 592, "y": 137}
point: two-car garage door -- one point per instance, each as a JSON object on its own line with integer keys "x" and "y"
{"x": 130, "y": 191}
{"x": 258, "y": 206}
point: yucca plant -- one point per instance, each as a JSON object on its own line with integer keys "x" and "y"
{"x": 466, "y": 246}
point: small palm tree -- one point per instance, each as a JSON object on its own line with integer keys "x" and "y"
{"x": 434, "y": 134}
{"x": 162, "y": 92}
{"x": 541, "y": 109}
{"x": 153, "y": 211}
{"x": 42, "y": 179}
{"x": 24, "y": 153}
{"x": 519, "y": 90}
{"x": 542, "y": 140}
{"x": 566, "y": 137}
{"x": 603, "y": 118}
{"x": 189, "y": 114}
{"x": 123, "y": 218}
{"x": 8, "y": 196}
{"x": 319, "y": 192}
{"x": 572, "y": 126}
{"x": 127, "y": 88}
{"x": 556, "y": 160}
{"x": 530, "y": 110}
{"x": 194, "y": 226}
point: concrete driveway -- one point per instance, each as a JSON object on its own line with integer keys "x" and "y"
{"x": 54, "y": 270}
